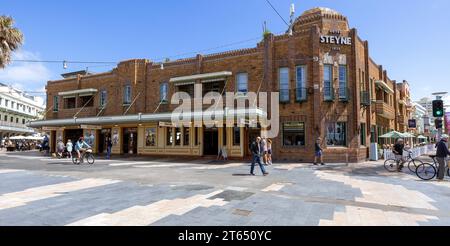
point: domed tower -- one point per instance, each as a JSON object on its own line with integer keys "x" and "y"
{"x": 325, "y": 18}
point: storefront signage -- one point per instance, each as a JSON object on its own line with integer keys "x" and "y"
{"x": 52, "y": 128}
{"x": 325, "y": 39}
{"x": 166, "y": 124}
{"x": 91, "y": 127}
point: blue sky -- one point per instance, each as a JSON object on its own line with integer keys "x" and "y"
{"x": 408, "y": 37}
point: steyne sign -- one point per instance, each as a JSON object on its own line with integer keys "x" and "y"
{"x": 325, "y": 39}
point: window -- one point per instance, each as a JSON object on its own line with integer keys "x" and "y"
{"x": 187, "y": 132}
{"x": 169, "y": 136}
{"x": 177, "y": 136}
{"x": 236, "y": 135}
{"x": 6, "y": 118}
{"x": 189, "y": 89}
{"x": 69, "y": 103}
{"x": 86, "y": 101}
{"x": 103, "y": 99}
{"x": 301, "y": 84}
{"x": 242, "y": 83}
{"x": 6, "y": 103}
{"x": 55, "y": 104}
{"x": 164, "y": 92}
{"x": 294, "y": 134}
{"x": 127, "y": 95}
{"x": 217, "y": 86}
{"x": 150, "y": 137}
{"x": 23, "y": 121}
{"x": 372, "y": 134}
{"x": 195, "y": 136}
{"x": 11, "y": 119}
{"x": 17, "y": 120}
{"x": 337, "y": 134}
{"x": 328, "y": 82}
{"x": 13, "y": 104}
{"x": 363, "y": 134}
{"x": 284, "y": 84}
{"x": 343, "y": 91}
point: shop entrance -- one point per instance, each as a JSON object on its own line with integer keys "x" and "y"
{"x": 210, "y": 141}
{"x": 102, "y": 140}
{"x": 130, "y": 141}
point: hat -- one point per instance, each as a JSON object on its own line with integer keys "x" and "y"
{"x": 444, "y": 136}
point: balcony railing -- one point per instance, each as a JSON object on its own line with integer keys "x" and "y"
{"x": 285, "y": 96}
{"x": 365, "y": 98}
{"x": 328, "y": 93}
{"x": 344, "y": 94}
{"x": 385, "y": 110}
{"x": 301, "y": 94}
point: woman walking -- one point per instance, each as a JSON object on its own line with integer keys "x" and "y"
{"x": 318, "y": 152}
{"x": 269, "y": 151}
{"x": 69, "y": 147}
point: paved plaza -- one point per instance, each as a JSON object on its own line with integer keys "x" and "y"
{"x": 38, "y": 190}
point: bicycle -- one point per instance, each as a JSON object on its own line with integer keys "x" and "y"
{"x": 86, "y": 155}
{"x": 392, "y": 164}
{"x": 428, "y": 171}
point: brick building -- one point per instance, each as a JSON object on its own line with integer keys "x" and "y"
{"x": 328, "y": 84}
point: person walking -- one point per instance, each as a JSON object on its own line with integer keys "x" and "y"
{"x": 442, "y": 153}
{"x": 398, "y": 149}
{"x": 318, "y": 152}
{"x": 69, "y": 147}
{"x": 263, "y": 145}
{"x": 269, "y": 151}
{"x": 108, "y": 147}
{"x": 255, "y": 148}
{"x": 60, "y": 148}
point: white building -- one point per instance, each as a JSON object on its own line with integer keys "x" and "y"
{"x": 419, "y": 115}
{"x": 16, "y": 110}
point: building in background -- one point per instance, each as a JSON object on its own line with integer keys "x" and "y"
{"x": 17, "y": 109}
{"x": 404, "y": 106}
{"x": 419, "y": 114}
{"x": 328, "y": 87}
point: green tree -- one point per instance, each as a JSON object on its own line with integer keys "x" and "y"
{"x": 10, "y": 39}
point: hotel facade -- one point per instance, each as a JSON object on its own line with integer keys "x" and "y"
{"x": 328, "y": 87}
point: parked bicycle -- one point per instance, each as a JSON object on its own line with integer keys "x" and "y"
{"x": 87, "y": 155}
{"x": 392, "y": 164}
{"x": 428, "y": 171}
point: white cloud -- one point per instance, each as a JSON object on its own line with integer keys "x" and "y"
{"x": 28, "y": 76}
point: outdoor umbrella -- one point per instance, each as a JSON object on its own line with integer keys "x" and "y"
{"x": 422, "y": 137}
{"x": 393, "y": 134}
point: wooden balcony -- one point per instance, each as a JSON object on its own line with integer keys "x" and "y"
{"x": 385, "y": 110}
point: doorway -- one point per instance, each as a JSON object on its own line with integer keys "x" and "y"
{"x": 130, "y": 141}
{"x": 251, "y": 135}
{"x": 210, "y": 141}
{"x": 102, "y": 137}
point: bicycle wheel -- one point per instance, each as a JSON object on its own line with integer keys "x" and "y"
{"x": 413, "y": 164}
{"x": 90, "y": 159}
{"x": 391, "y": 165}
{"x": 426, "y": 171}
{"x": 75, "y": 160}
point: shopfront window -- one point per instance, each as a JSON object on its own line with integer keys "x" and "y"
{"x": 177, "y": 136}
{"x": 236, "y": 136}
{"x": 294, "y": 134}
{"x": 187, "y": 133}
{"x": 337, "y": 134}
{"x": 169, "y": 136}
{"x": 150, "y": 137}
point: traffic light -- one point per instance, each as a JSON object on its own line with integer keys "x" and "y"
{"x": 438, "y": 123}
{"x": 438, "y": 108}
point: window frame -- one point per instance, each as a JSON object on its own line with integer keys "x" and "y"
{"x": 103, "y": 99}
{"x": 164, "y": 99}
{"x": 127, "y": 95}
{"x": 238, "y": 84}
{"x": 335, "y": 132}
{"x": 328, "y": 79}
{"x": 302, "y": 82}
{"x": 283, "y": 97}
{"x": 293, "y": 145}
{"x": 55, "y": 103}
{"x": 343, "y": 83}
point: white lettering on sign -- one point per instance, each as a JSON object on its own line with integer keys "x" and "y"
{"x": 335, "y": 40}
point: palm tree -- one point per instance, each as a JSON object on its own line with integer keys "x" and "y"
{"x": 10, "y": 39}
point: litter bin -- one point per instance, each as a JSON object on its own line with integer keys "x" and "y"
{"x": 374, "y": 152}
